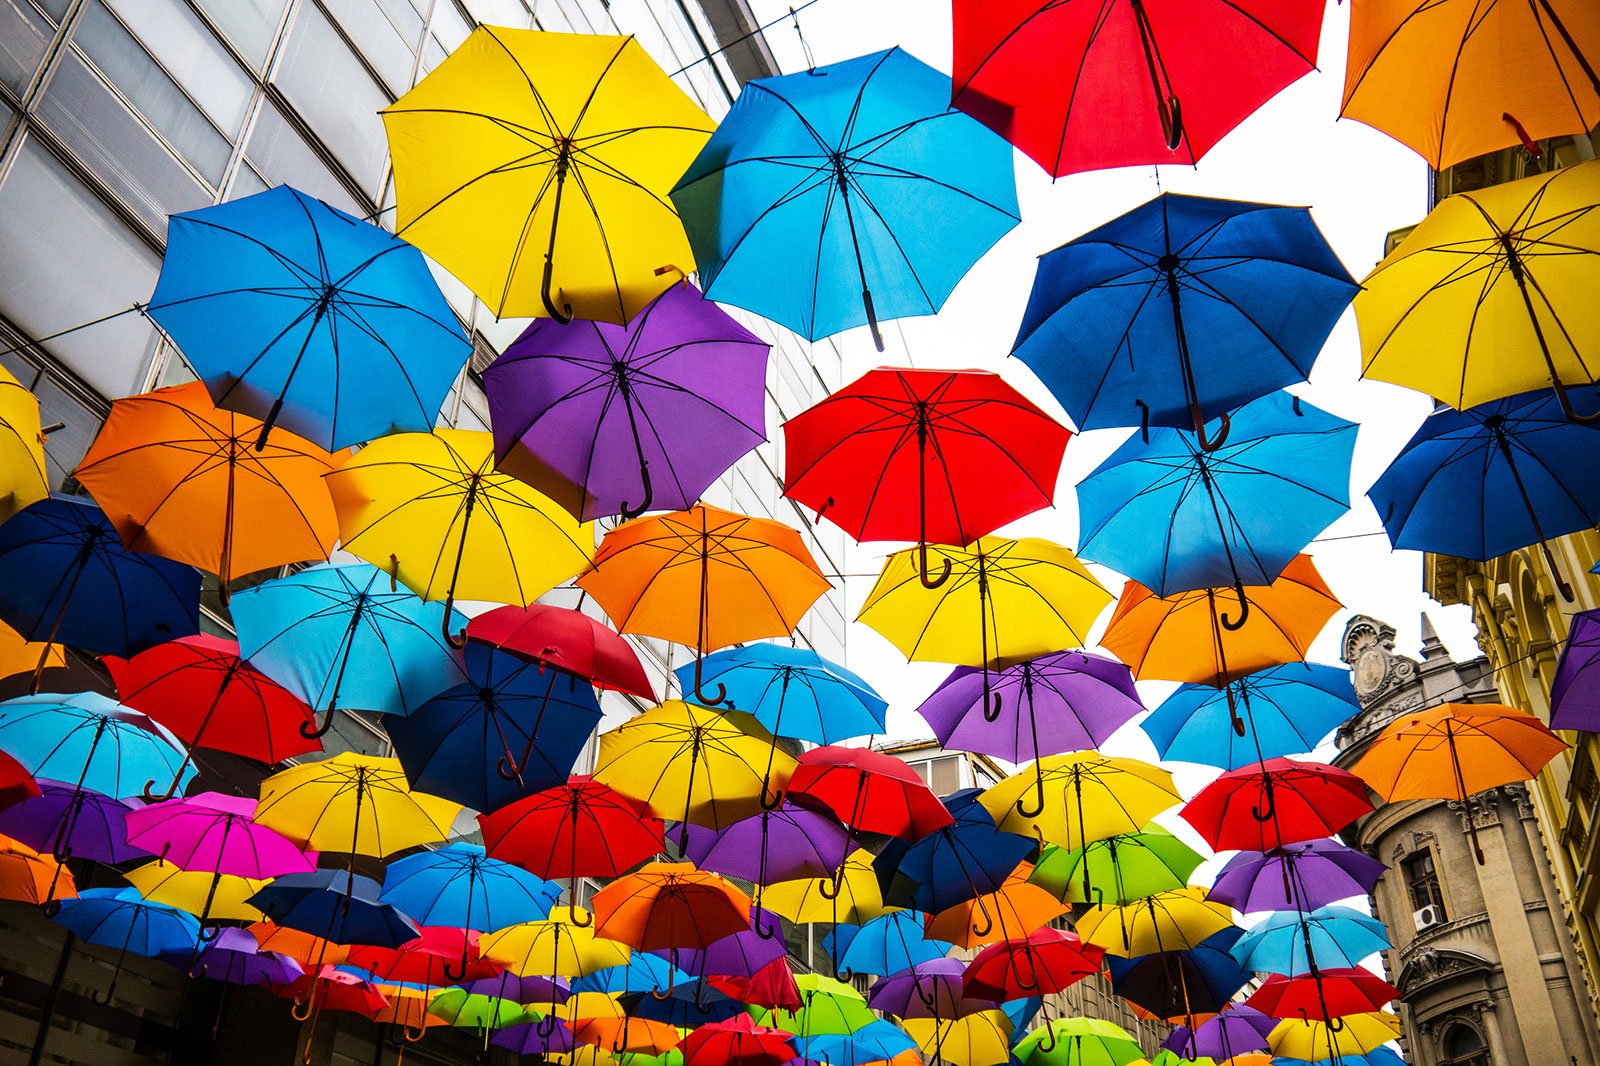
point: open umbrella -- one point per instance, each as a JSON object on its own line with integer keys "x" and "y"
{"x": 335, "y": 907}
{"x": 210, "y": 897}
{"x": 562, "y": 945}
{"x": 1177, "y": 920}
{"x": 829, "y": 1007}
{"x": 1575, "y": 693}
{"x": 564, "y": 639}
{"x": 96, "y": 743}
{"x": 602, "y": 418}
{"x": 429, "y": 959}
{"x": 516, "y": 125}
{"x": 1286, "y": 710}
{"x": 942, "y": 456}
{"x": 744, "y": 953}
{"x": 844, "y": 195}
{"x": 23, "y": 479}
{"x": 1357, "y": 1034}
{"x": 868, "y": 791}
{"x": 851, "y": 895}
{"x": 670, "y": 905}
{"x": 1237, "y": 1030}
{"x": 1295, "y": 943}
{"x": 237, "y": 959}
{"x": 297, "y": 313}
{"x": 1046, "y": 961}
{"x": 69, "y": 821}
{"x": 782, "y": 844}
{"x": 954, "y": 863}
{"x": 737, "y": 1042}
{"x": 1183, "y": 983}
{"x": 1017, "y": 908}
{"x": 1180, "y": 311}
{"x": 926, "y": 990}
{"x": 120, "y": 918}
{"x": 1126, "y": 867}
{"x": 978, "y": 1039}
{"x": 1080, "y": 87}
{"x": 20, "y": 656}
{"x": 1341, "y": 991}
{"x": 1079, "y": 1042}
{"x": 30, "y": 877}
{"x": 1276, "y": 802}
{"x": 885, "y": 945}
{"x": 458, "y": 885}
{"x": 1301, "y": 876}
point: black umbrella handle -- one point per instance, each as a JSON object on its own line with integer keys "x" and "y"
{"x": 1233, "y": 625}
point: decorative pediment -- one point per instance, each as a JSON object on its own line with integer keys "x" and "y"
{"x": 1431, "y": 965}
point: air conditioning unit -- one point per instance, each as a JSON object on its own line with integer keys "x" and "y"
{"x": 1427, "y": 917}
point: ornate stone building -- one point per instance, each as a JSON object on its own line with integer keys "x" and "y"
{"x": 1487, "y": 972}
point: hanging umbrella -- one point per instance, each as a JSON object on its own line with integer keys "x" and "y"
{"x": 210, "y": 897}
{"x": 1287, "y": 709}
{"x": 1486, "y": 297}
{"x": 1303, "y": 876}
{"x": 746, "y": 578}
{"x": 1237, "y": 1030}
{"x": 869, "y": 791}
{"x": 737, "y": 1042}
{"x": 596, "y": 415}
{"x": 297, "y": 313}
{"x": 408, "y": 501}
{"x": 467, "y": 1011}
{"x": 850, "y": 896}
{"x": 1341, "y": 991}
{"x": 1180, "y": 311}
{"x": 770, "y": 987}
{"x": 69, "y": 821}
{"x": 1062, "y": 701}
{"x": 1447, "y": 491}
{"x": 459, "y": 885}
{"x": 844, "y": 195}
{"x": 1359, "y": 1034}
{"x": 626, "y": 1034}
{"x": 525, "y": 1038}
{"x": 1125, "y": 867}
{"x": 326, "y": 988}
{"x": 23, "y": 478}
{"x": 564, "y": 639}
{"x": 1233, "y": 516}
{"x": 430, "y": 959}
{"x": 357, "y": 804}
{"x": 563, "y": 945}
{"x": 952, "y": 864}
{"x": 1044, "y": 962}
{"x": 19, "y": 656}
{"x": 97, "y": 743}
{"x": 1378, "y": 1056}
{"x": 1016, "y": 909}
{"x": 642, "y": 972}
{"x": 782, "y": 844}
{"x": 303, "y": 948}
{"x": 17, "y": 785}
{"x": 1276, "y": 802}
{"x": 511, "y": 729}
{"x": 1574, "y": 695}
{"x": 513, "y": 125}
{"x": 201, "y": 690}
{"x": 119, "y": 918}
{"x": 685, "y": 1006}
{"x": 824, "y": 702}
{"x": 830, "y": 1007}
{"x": 235, "y": 958}
{"x": 186, "y": 481}
{"x": 1079, "y": 87}
{"x": 744, "y": 953}
{"x": 882, "y": 1041}
{"x": 336, "y": 907}
{"x": 1454, "y": 751}
{"x": 66, "y": 578}
{"x": 1177, "y": 920}
{"x": 979, "y": 1039}
{"x": 926, "y": 990}
{"x": 30, "y": 877}
{"x": 887, "y": 945}
{"x": 1079, "y": 1042}
{"x": 670, "y": 905}
{"x": 1183, "y": 983}
{"x": 983, "y": 456}
{"x": 1293, "y": 943}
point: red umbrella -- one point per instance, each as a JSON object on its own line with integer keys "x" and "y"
{"x": 199, "y": 688}
{"x": 1343, "y": 991}
{"x": 434, "y": 958}
{"x": 1280, "y": 801}
{"x": 329, "y": 988}
{"x": 579, "y": 829}
{"x": 1048, "y": 961}
{"x": 1084, "y": 86}
{"x": 941, "y": 456}
{"x": 16, "y": 784}
{"x": 771, "y": 987}
{"x": 739, "y": 1041}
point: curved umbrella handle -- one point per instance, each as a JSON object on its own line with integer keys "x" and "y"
{"x": 312, "y": 731}
{"x": 1566, "y": 405}
{"x": 209, "y": 933}
{"x": 562, "y": 314}
{"x": 1270, "y": 811}
{"x": 104, "y": 999}
{"x": 629, "y": 512}
{"x": 573, "y": 920}
{"x": 1335, "y": 1025}
{"x": 1050, "y": 1033}
{"x": 1172, "y": 122}
{"x": 406, "y": 1031}
{"x": 452, "y": 975}
{"x": 777, "y": 797}
{"x": 700, "y": 696}
{"x": 1233, "y": 625}
{"x": 545, "y": 1026}
{"x": 198, "y": 970}
{"x": 988, "y": 921}
{"x": 1233, "y": 712}
{"x": 150, "y": 795}
{"x": 992, "y": 700}
{"x": 1038, "y": 790}
{"x": 1212, "y": 444}
{"x": 927, "y": 578}
{"x": 455, "y": 640}
{"x": 1031, "y": 984}
{"x": 661, "y": 995}
{"x": 830, "y": 887}
{"x": 1555, "y": 569}
{"x": 508, "y": 769}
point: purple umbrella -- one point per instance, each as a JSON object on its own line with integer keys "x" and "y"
{"x": 1063, "y": 701}
{"x": 235, "y": 957}
{"x": 739, "y": 955}
{"x": 1301, "y": 876}
{"x": 508, "y": 986}
{"x": 609, "y": 419}
{"x": 784, "y": 844}
{"x": 1575, "y": 695}
{"x": 927, "y": 990}
{"x": 71, "y": 822}
{"x": 1236, "y": 1031}
{"x": 530, "y": 1040}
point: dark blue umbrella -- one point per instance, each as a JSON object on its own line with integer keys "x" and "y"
{"x": 1175, "y": 517}
{"x": 960, "y": 862}
{"x": 1197, "y": 980}
{"x": 1480, "y": 483}
{"x": 121, "y": 918}
{"x": 338, "y": 906}
{"x": 846, "y": 194}
{"x": 294, "y": 312}
{"x": 65, "y": 578}
{"x": 1180, "y": 311}
{"x": 460, "y": 886}
{"x": 684, "y": 1005}
{"x": 514, "y": 728}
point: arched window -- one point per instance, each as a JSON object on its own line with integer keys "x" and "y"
{"x": 1464, "y": 1047}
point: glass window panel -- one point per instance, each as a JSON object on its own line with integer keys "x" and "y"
{"x": 283, "y": 157}
{"x": 56, "y": 9}
{"x": 191, "y": 53}
{"x": 246, "y": 183}
{"x": 24, "y": 35}
{"x": 337, "y": 98}
{"x": 448, "y": 26}
{"x": 149, "y": 88}
{"x": 385, "y": 31}
{"x": 249, "y": 24}
{"x": 69, "y": 259}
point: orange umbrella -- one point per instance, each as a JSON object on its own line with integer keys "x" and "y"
{"x": 626, "y": 1034}
{"x": 704, "y": 577}
{"x": 670, "y": 905}
{"x": 304, "y": 948}
{"x": 1456, "y": 750}
{"x": 1014, "y": 911}
{"x": 28, "y": 876}
{"x": 182, "y": 479}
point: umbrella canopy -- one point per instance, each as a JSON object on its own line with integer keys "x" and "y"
{"x": 954, "y": 863}
{"x": 1276, "y": 802}
{"x": 97, "y": 743}
{"x": 458, "y": 885}
{"x": 1233, "y": 516}
{"x": 850, "y": 895}
{"x": 65, "y": 820}
{"x": 567, "y": 640}
{"x": 461, "y": 1008}
{"x": 1378, "y": 1056}
{"x": 743, "y": 953}
{"x": 1062, "y": 701}
{"x": 869, "y": 791}
{"x": 1177, "y": 920}
{"x": 1182, "y": 310}
{"x": 430, "y": 959}
{"x": 527, "y": 1038}
{"x": 214, "y": 833}
{"x": 1046, "y": 961}
{"x": 823, "y": 701}
{"x": 563, "y": 945}
{"x": 66, "y": 578}
{"x": 210, "y": 897}
{"x": 297, "y": 313}
{"x": 23, "y": 478}
{"x": 511, "y": 729}
{"x": 1575, "y": 692}
{"x": 29, "y": 877}
{"x": 1296, "y": 943}
{"x": 685, "y": 1006}
{"x": 184, "y": 480}
{"x": 1238, "y": 1030}
{"x": 335, "y": 906}
{"x": 782, "y": 844}
{"x": 120, "y": 918}
{"x": 1340, "y": 991}
{"x": 737, "y": 1042}
{"x": 235, "y": 957}
{"x": 829, "y": 1007}
{"x": 1080, "y": 796}
{"x": 18, "y": 655}
{"x": 1301, "y": 876}
{"x": 1016, "y": 909}
{"x": 358, "y": 804}
{"x": 844, "y": 195}
{"x": 770, "y": 987}
{"x": 581, "y": 828}
{"x": 608, "y": 419}
{"x": 1485, "y": 298}
{"x": 1357, "y": 1034}
{"x": 887, "y": 945}
{"x": 516, "y": 125}
{"x": 979, "y": 1039}
{"x": 16, "y": 783}
{"x": 1401, "y": 52}
{"x": 643, "y": 972}
{"x": 408, "y": 502}
{"x": 1456, "y": 750}
{"x": 1079, "y": 1042}
{"x": 670, "y": 905}
{"x": 1080, "y": 88}
{"x": 1123, "y": 868}
{"x": 1182, "y": 983}
{"x": 201, "y": 690}
{"x": 926, "y": 990}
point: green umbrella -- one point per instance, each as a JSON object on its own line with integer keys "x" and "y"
{"x": 828, "y": 1007}
{"x": 1079, "y": 1042}
{"x": 1135, "y": 865}
{"x": 467, "y": 1010}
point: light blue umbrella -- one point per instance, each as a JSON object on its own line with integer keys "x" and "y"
{"x": 643, "y": 972}
{"x": 889, "y": 944}
{"x": 92, "y": 743}
{"x": 1290, "y": 708}
{"x": 347, "y": 636}
{"x": 1379, "y": 1056}
{"x": 1339, "y": 936}
{"x": 794, "y": 692}
{"x": 121, "y": 918}
{"x": 871, "y": 1043}
{"x": 296, "y": 313}
{"x": 844, "y": 195}
{"x": 460, "y": 886}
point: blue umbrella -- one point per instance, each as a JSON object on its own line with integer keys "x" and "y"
{"x": 1197, "y": 980}
{"x": 296, "y": 313}
{"x": 1175, "y": 517}
{"x": 1480, "y": 483}
{"x": 871, "y": 1043}
{"x": 93, "y": 742}
{"x": 1292, "y": 943}
{"x": 684, "y": 1005}
{"x": 962, "y": 861}
{"x": 1378, "y": 1056}
{"x": 1290, "y": 708}
{"x": 1181, "y": 310}
{"x": 346, "y": 635}
{"x": 845, "y": 194}
{"x": 121, "y": 918}
{"x": 887, "y": 944}
{"x": 66, "y": 578}
{"x": 643, "y": 972}
{"x": 336, "y": 905}
{"x": 794, "y": 692}
{"x": 1021, "y": 1012}
{"x": 462, "y": 743}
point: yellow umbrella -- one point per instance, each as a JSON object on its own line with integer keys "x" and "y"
{"x": 22, "y": 473}
{"x": 192, "y": 891}
{"x": 1358, "y": 1034}
{"x": 1177, "y": 920}
{"x": 429, "y": 508}
{"x": 584, "y": 1055}
{"x": 1080, "y": 796}
{"x": 1004, "y": 600}
{"x": 533, "y": 164}
{"x": 858, "y": 899}
{"x": 18, "y": 655}
{"x": 978, "y": 1039}
{"x": 563, "y": 945}
{"x": 1492, "y": 294}
{"x": 357, "y": 804}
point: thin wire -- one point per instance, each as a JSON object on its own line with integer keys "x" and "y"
{"x": 793, "y": 11}
{"x": 82, "y": 325}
